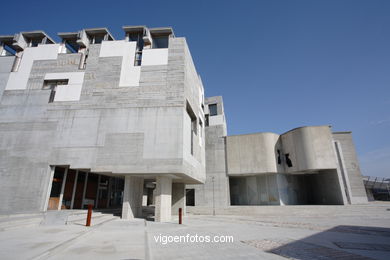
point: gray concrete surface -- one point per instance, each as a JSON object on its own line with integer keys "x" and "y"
{"x": 109, "y": 128}
{"x": 310, "y": 232}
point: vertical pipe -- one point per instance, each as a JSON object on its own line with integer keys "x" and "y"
{"x": 89, "y": 215}
{"x": 74, "y": 189}
{"x": 62, "y": 188}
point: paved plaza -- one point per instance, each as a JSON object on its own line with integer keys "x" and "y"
{"x": 294, "y": 232}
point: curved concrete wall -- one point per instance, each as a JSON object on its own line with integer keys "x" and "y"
{"x": 309, "y": 149}
{"x": 251, "y": 154}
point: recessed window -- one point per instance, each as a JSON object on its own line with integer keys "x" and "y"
{"x": 213, "y": 109}
{"x": 288, "y": 160}
{"x": 206, "y": 120}
{"x": 8, "y": 51}
{"x": 200, "y": 128}
{"x": 52, "y": 86}
{"x": 194, "y": 126}
{"x": 160, "y": 42}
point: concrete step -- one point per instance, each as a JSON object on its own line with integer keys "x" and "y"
{"x": 82, "y": 216}
{"x": 95, "y": 220}
{"x": 20, "y": 221}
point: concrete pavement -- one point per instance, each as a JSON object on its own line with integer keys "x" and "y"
{"x": 356, "y": 232}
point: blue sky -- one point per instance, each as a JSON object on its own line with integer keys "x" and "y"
{"x": 277, "y": 64}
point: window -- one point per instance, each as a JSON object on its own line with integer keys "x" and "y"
{"x": 137, "y": 37}
{"x": 213, "y": 109}
{"x": 160, "y": 42}
{"x": 200, "y": 128}
{"x": 8, "y": 51}
{"x": 71, "y": 48}
{"x": 279, "y": 159}
{"x": 194, "y": 127}
{"x": 52, "y": 86}
{"x": 190, "y": 197}
{"x": 33, "y": 42}
{"x": 206, "y": 120}
{"x": 138, "y": 58}
{"x": 288, "y": 160}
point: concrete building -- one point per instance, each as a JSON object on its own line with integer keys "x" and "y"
{"x": 306, "y": 165}
{"x": 110, "y": 114}
{"x": 124, "y": 123}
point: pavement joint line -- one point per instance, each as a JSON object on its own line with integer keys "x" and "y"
{"x": 63, "y": 245}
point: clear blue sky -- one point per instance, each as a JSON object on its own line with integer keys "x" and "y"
{"x": 277, "y": 64}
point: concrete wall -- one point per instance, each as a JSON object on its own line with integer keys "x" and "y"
{"x": 350, "y": 164}
{"x": 216, "y": 187}
{"x": 6, "y": 63}
{"x": 251, "y": 154}
{"x": 321, "y": 188}
{"x": 111, "y": 128}
{"x": 309, "y": 148}
{"x": 254, "y": 190}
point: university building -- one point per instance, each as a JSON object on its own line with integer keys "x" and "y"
{"x": 124, "y": 124}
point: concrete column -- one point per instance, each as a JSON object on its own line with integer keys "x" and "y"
{"x": 132, "y": 197}
{"x": 84, "y": 189}
{"x": 49, "y": 186}
{"x": 74, "y": 189}
{"x": 145, "y": 197}
{"x": 109, "y": 193}
{"x": 163, "y": 203}
{"x": 62, "y": 188}
{"x": 2, "y": 50}
{"x": 178, "y": 198}
{"x": 97, "y": 192}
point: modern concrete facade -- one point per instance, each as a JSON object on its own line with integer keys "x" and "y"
{"x": 94, "y": 120}
{"x": 129, "y": 109}
{"x": 306, "y": 165}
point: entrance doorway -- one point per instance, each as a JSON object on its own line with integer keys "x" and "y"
{"x": 77, "y": 188}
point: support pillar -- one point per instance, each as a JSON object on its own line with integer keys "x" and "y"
{"x": 51, "y": 175}
{"x": 62, "y": 188}
{"x": 74, "y": 189}
{"x": 132, "y": 197}
{"x": 178, "y": 198}
{"x": 84, "y": 189}
{"x": 97, "y": 192}
{"x": 163, "y": 203}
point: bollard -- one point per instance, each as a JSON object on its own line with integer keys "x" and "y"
{"x": 180, "y": 215}
{"x": 89, "y": 216}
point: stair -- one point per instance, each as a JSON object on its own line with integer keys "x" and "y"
{"x": 80, "y": 217}
{"x": 15, "y": 221}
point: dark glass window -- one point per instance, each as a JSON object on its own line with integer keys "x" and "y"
{"x": 213, "y": 109}
{"x": 160, "y": 42}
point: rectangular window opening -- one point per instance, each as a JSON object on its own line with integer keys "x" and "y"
{"x": 52, "y": 86}
{"x": 160, "y": 42}
{"x": 213, "y": 109}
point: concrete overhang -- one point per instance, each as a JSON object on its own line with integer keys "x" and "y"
{"x": 134, "y": 29}
{"x": 7, "y": 39}
{"x": 103, "y": 30}
{"x": 68, "y": 35}
{"x": 160, "y": 31}
{"x": 38, "y": 34}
